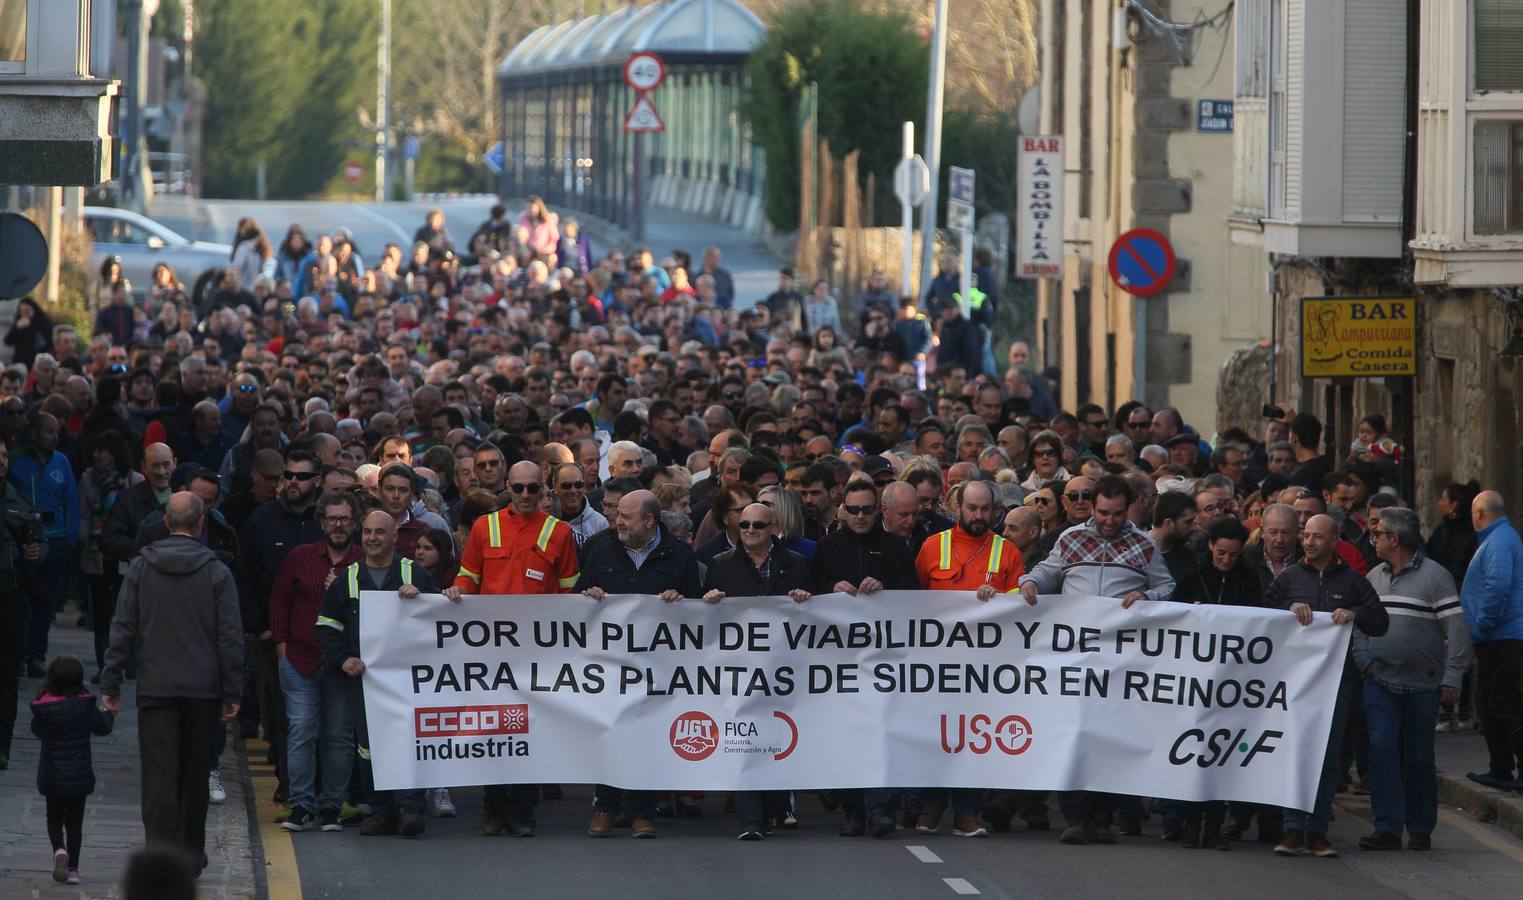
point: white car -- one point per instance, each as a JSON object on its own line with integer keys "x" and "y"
{"x": 141, "y": 243}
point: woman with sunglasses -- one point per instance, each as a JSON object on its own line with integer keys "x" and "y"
{"x": 1048, "y": 507}
{"x": 1045, "y": 457}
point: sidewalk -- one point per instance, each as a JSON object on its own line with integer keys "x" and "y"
{"x": 113, "y": 821}
{"x": 1466, "y": 752}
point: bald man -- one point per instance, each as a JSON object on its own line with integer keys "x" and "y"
{"x": 1323, "y": 583}
{"x": 1492, "y": 596}
{"x": 338, "y": 633}
{"x": 133, "y": 506}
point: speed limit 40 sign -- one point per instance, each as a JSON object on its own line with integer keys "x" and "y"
{"x": 644, "y": 72}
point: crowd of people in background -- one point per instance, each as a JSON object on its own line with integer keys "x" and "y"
{"x": 520, "y": 414}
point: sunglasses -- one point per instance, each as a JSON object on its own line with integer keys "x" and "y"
{"x": 1096, "y": 423}
{"x": 744, "y": 525}
{"x": 1042, "y": 501}
{"x": 732, "y": 396}
{"x": 1136, "y": 425}
{"x": 868, "y": 509}
{"x": 1079, "y": 495}
{"x": 1044, "y": 452}
{"x": 288, "y": 475}
{"x": 573, "y": 485}
{"x": 533, "y": 487}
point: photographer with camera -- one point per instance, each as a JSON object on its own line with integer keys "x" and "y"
{"x": 22, "y": 544}
{"x": 44, "y": 476}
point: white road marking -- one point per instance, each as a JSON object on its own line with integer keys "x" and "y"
{"x": 379, "y": 219}
{"x": 922, "y": 853}
{"x": 960, "y": 886}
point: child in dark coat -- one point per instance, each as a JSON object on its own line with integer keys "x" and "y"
{"x": 64, "y": 715}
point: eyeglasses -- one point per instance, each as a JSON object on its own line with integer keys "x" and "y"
{"x": 865, "y": 510}
{"x": 1086, "y": 496}
{"x": 745, "y": 525}
{"x": 1096, "y": 423}
{"x": 1044, "y": 452}
{"x": 338, "y": 520}
{"x": 573, "y": 485}
{"x": 533, "y": 487}
{"x": 288, "y": 475}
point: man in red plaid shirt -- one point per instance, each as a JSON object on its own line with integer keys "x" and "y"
{"x": 317, "y": 700}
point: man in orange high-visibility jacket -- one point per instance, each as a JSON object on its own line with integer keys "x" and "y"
{"x": 518, "y": 550}
{"x": 970, "y": 556}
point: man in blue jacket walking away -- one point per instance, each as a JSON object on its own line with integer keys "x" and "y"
{"x": 1492, "y": 596}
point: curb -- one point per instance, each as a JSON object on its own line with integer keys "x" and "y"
{"x": 1501, "y": 808}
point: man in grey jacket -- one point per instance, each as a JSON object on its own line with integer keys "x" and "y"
{"x": 178, "y": 614}
{"x": 1418, "y": 662}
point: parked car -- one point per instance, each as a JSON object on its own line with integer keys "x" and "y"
{"x": 143, "y": 243}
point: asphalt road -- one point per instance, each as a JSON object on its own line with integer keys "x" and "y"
{"x": 702, "y": 858}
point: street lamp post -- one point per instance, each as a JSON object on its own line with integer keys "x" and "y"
{"x": 933, "y": 141}
{"x": 383, "y": 103}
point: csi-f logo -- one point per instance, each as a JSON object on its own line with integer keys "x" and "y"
{"x": 1219, "y": 747}
{"x": 694, "y": 735}
{"x": 978, "y": 734}
{"x": 465, "y": 721}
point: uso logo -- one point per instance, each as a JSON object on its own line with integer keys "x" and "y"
{"x": 465, "y": 721}
{"x": 694, "y": 736}
{"x": 979, "y": 733}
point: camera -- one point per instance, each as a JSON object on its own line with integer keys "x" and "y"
{"x": 1273, "y": 412}
{"x": 26, "y": 526}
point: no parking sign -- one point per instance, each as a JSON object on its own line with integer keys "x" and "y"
{"x": 1142, "y": 262}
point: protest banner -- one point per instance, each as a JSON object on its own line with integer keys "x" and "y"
{"x": 923, "y": 688}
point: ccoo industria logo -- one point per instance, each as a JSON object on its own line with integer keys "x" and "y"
{"x": 470, "y": 732}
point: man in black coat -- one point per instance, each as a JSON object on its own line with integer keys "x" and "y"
{"x": 759, "y": 567}
{"x": 1323, "y": 582}
{"x": 645, "y": 559}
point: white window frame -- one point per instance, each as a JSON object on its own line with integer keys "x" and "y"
{"x": 1471, "y": 119}
{"x": 1470, "y": 55}
{"x": 26, "y": 66}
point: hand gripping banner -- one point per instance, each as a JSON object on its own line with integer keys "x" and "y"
{"x": 902, "y": 688}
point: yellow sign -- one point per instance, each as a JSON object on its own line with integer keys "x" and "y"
{"x": 1358, "y": 337}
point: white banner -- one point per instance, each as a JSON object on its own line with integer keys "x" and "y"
{"x": 1039, "y": 213}
{"x": 904, "y": 688}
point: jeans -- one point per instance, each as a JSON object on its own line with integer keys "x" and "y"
{"x": 639, "y": 804}
{"x": 317, "y": 722}
{"x": 1499, "y": 677}
{"x": 986, "y": 352}
{"x": 175, "y": 736}
{"x": 383, "y": 804}
{"x": 1315, "y": 820}
{"x": 12, "y": 615}
{"x": 47, "y": 586}
{"x": 1403, "y": 776}
{"x": 754, "y": 808}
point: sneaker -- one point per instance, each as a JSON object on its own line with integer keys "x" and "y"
{"x": 642, "y": 829}
{"x": 1419, "y": 842}
{"x": 519, "y": 828}
{"x": 1074, "y": 834}
{"x": 73, "y": 877}
{"x": 1319, "y": 847}
{"x": 60, "y": 865}
{"x": 601, "y": 825}
{"x": 329, "y": 821}
{"x": 1446, "y": 725}
{"x": 790, "y": 818}
{"x": 1173, "y": 830}
{"x": 411, "y": 823}
{"x": 351, "y": 815}
{"x": 752, "y": 831}
{"x": 299, "y": 820}
{"x": 929, "y": 821}
{"x": 1292, "y": 844}
{"x": 852, "y": 827}
{"x": 214, "y": 789}
{"x": 1380, "y": 840}
{"x": 881, "y": 825}
{"x": 969, "y": 827}
{"x": 444, "y": 807}
{"x": 376, "y": 826}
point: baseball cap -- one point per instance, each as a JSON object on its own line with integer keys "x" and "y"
{"x": 269, "y": 463}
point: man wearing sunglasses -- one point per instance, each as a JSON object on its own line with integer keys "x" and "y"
{"x": 518, "y": 550}
{"x": 569, "y": 483}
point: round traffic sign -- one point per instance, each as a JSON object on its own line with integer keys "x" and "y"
{"x": 1142, "y": 262}
{"x": 644, "y": 72}
{"x": 354, "y": 171}
{"x": 23, "y": 255}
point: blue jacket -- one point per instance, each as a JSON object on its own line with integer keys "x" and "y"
{"x": 50, "y": 488}
{"x": 1493, "y": 592}
{"x": 64, "y": 726}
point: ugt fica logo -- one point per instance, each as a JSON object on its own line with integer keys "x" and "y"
{"x": 978, "y": 734}
{"x": 694, "y": 736}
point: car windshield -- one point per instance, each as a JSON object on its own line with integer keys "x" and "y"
{"x": 112, "y": 230}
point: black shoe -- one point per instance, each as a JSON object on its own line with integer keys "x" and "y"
{"x": 752, "y": 831}
{"x": 1419, "y": 842}
{"x": 1189, "y": 836}
{"x": 1075, "y": 833}
{"x": 682, "y": 809}
{"x": 829, "y": 801}
{"x": 411, "y": 823}
{"x": 880, "y": 825}
{"x": 1131, "y": 827}
{"x": 1211, "y": 838}
{"x": 520, "y": 828}
{"x": 1173, "y": 829}
{"x": 852, "y": 827}
{"x": 997, "y": 813}
{"x": 1235, "y": 831}
{"x": 376, "y": 826}
{"x": 491, "y": 825}
{"x": 909, "y": 816}
{"x": 34, "y": 669}
{"x": 328, "y": 820}
{"x": 299, "y": 820}
{"x": 1485, "y": 778}
{"x": 1380, "y": 840}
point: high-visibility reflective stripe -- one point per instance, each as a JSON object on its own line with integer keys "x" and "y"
{"x": 354, "y": 580}
{"x": 545, "y": 531}
{"x": 946, "y": 549}
{"x": 995, "y": 553}
{"x": 406, "y": 571}
{"x": 570, "y": 582}
{"x": 330, "y": 623}
{"x": 469, "y": 574}
{"x": 494, "y": 531}
{"x": 364, "y": 752}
